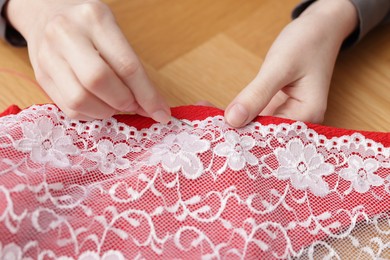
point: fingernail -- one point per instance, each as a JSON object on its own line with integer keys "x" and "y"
{"x": 237, "y": 115}
{"x": 161, "y": 116}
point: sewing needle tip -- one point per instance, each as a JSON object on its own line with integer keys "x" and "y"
{"x": 181, "y": 121}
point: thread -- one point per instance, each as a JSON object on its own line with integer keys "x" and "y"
{"x": 19, "y": 75}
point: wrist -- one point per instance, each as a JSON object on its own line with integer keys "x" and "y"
{"x": 11, "y": 35}
{"x": 334, "y": 17}
{"x": 22, "y": 14}
{"x": 14, "y": 14}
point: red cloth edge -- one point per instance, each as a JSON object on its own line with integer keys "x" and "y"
{"x": 11, "y": 110}
{"x": 202, "y": 112}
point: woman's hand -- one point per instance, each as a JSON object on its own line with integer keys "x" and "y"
{"x": 83, "y": 61}
{"x": 294, "y": 79}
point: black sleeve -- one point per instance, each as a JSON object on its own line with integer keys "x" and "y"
{"x": 371, "y": 13}
{"x": 7, "y": 31}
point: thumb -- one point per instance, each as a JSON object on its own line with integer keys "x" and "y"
{"x": 253, "y": 99}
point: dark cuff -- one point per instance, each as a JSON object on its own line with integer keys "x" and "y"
{"x": 351, "y": 40}
{"x": 11, "y": 34}
{"x": 371, "y": 13}
{"x": 14, "y": 37}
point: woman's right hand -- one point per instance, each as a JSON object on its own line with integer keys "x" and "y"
{"x": 83, "y": 61}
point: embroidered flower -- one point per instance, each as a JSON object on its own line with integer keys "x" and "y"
{"x": 110, "y": 157}
{"x": 237, "y": 150}
{"x": 361, "y": 173}
{"x": 179, "y": 152}
{"x": 304, "y": 166}
{"x": 46, "y": 142}
{"x": 11, "y": 251}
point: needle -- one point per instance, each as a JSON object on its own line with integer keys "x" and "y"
{"x": 181, "y": 121}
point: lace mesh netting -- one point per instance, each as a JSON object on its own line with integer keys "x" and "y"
{"x": 127, "y": 188}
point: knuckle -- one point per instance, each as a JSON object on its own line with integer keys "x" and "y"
{"x": 315, "y": 119}
{"x": 77, "y": 100}
{"x": 94, "y": 10}
{"x": 76, "y": 104}
{"x": 57, "y": 27}
{"x": 153, "y": 97}
{"x": 94, "y": 81}
{"x": 259, "y": 92}
{"x": 320, "y": 117}
{"x": 149, "y": 98}
{"x": 128, "y": 67}
{"x": 122, "y": 104}
{"x": 317, "y": 114}
{"x": 257, "y": 97}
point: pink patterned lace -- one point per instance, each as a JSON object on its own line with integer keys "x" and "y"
{"x": 112, "y": 189}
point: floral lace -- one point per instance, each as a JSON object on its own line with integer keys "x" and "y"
{"x": 108, "y": 190}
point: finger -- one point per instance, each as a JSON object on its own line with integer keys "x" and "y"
{"x": 48, "y": 85}
{"x": 275, "y": 102}
{"x": 94, "y": 74}
{"x": 140, "y": 111}
{"x": 115, "y": 49}
{"x": 307, "y": 101}
{"x": 301, "y": 111}
{"x": 255, "y": 97}
{"x": 75, "y": 97}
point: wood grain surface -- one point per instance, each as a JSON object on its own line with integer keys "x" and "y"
{"x": 209, "y": 50}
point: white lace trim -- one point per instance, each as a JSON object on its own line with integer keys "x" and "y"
{"x": 279, "y": 169}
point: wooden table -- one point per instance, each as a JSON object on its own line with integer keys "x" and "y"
{"x": 209, "y": 50}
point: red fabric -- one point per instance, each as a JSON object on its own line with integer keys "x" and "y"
{"x": 11, "y": 110}
{"x": 301, "y": 236}
{"x": 202, "y": 112}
